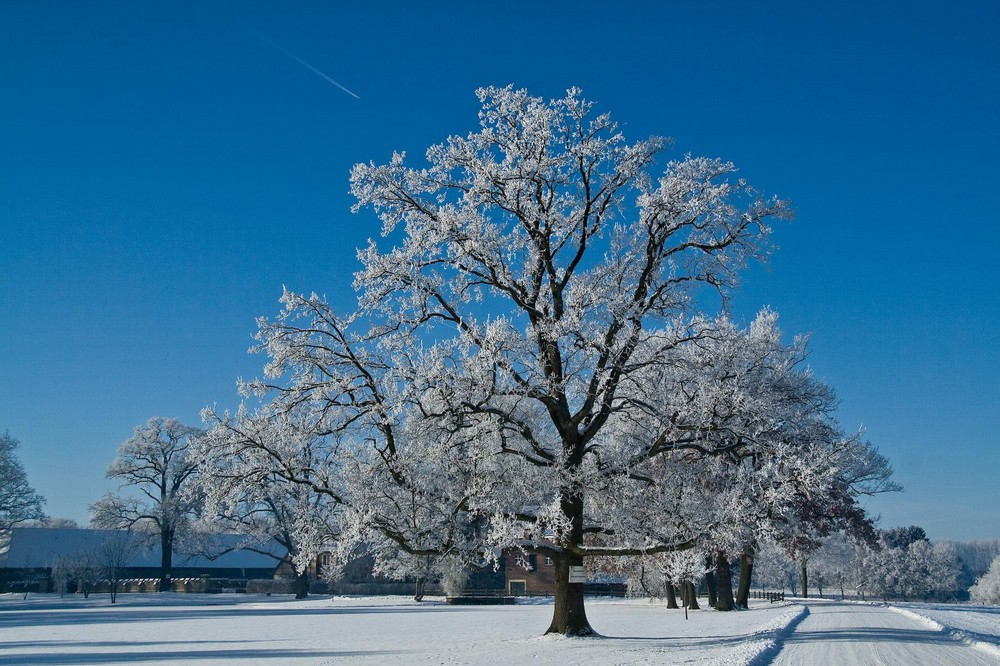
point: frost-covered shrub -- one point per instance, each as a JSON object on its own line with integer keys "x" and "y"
{"x": 269, "y": 586}
{"x": 260, "y": 586}
{"x": 453, "y": 579}
{"x": 987, "y": 587}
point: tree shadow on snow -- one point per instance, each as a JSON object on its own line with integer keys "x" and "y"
{"x": 871, "y": 635}
{"x": 34, "y": 645}
{"x": 108, "y": 616}
{"x": 184, "y": 656}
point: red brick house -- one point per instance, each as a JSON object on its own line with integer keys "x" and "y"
{"x": 529, "y": 574}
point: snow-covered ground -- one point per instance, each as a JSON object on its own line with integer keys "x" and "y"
{"x": 249, "y": 629}
{"x": 977, "y": 625}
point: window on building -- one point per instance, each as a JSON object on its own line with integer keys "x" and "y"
{"x": 548, "y": 562}
{"x": 527, "y": 562}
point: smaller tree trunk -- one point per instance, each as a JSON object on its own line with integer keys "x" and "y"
{"x": 724, "y": 581}
{"x": 710, "y": 581}
{"x": 691, "y": 600}
{"x": 671, "y": 595}
{"x": 746, "y": 579}
{"x": 804, "y": 576}
{"x": 418, "y": 589}
{"x": 302, "y": 585}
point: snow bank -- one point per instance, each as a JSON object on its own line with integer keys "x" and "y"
{"x": 765, "y": 644}
{"x": 978, "y": 626}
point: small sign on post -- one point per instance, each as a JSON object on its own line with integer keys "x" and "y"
{"x": 577, "y": 574}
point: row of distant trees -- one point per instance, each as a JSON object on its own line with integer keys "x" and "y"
{"x": 902, "y": 565}
{"x": 103, "y": 565}
{"x": 107, "y": 564}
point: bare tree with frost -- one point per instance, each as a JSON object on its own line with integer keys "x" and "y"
{"x": 156, "y": 466}
{"x": 115, "y": 555}
{"x": 19, "y": 502}
{"x": 542, "y": 277}
{"x": 245, "y": 493}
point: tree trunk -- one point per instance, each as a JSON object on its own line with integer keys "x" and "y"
{"x": 746, "y": 579}
{"x": 804, "y": 576}
{"x": 671, "y": 595}
{"x": 569, "y": 617}
{"x": 302, "y": 585}
{"x": 166, "y": 558}
{"x": 691, "y": 596}
{"x": 710, "y": 581}
{"x": 724, "y": 582}
{"x": 418, "y": 589}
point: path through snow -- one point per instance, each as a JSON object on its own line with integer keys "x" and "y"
{"x": 848, "y": 633}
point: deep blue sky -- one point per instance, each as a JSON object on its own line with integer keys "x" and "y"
{"x": 164, "y": 171}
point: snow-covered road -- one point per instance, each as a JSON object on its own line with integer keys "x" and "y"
{"x": 846, "y": 633}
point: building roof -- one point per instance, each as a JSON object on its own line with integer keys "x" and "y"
{"x": 31, "y": 547}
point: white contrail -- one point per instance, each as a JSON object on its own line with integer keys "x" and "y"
{"x": 302, "y": 62}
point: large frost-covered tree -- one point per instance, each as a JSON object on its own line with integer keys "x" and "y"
{"x": 528, "y": 366}
{"x": 507, "y": 361}
{"x": 155, "y": 463}
{"x": 19, "y": 502}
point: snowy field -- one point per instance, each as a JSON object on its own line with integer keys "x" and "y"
{"x": 250, "y": 629}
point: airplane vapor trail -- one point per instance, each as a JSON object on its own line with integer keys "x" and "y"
{"x": 302, "y": 62}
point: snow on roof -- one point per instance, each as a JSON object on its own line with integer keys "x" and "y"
{"x": 31, "y": 547}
